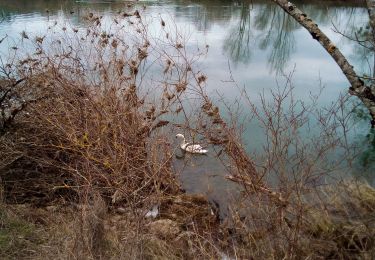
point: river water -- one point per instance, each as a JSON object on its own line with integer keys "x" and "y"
{"x": 253, "y": 42}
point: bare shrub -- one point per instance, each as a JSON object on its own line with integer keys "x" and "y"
{"x": 306, "y": 149}
{"x": 92, "y": 132}
{"x": 88, "y": 118}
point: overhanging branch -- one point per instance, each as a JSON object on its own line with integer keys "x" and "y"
{"x": 358, "y": 87}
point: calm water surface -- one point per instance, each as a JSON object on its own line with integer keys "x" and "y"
{"x": 256, "y": 39}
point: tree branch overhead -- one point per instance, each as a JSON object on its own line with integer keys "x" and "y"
{"x": 358, "y": 87}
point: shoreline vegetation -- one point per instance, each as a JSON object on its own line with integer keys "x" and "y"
{"x": 86, "y": 157}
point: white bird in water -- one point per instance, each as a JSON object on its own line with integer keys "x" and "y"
{"x": 191, "y": 148}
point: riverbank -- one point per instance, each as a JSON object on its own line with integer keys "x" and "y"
{"x": 185, "y": 228}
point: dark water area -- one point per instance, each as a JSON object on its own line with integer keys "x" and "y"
{"x": 253, "y": 43}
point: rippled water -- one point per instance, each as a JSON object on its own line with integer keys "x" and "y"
{"x": 252, "y": 42}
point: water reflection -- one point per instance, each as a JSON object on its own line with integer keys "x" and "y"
{"x": 364, "y": 50}
{"x": 248, "y": 26}
{"x": 274, "y": 30}
{"x": 277, "y": 27}
{"x": 237, "y": 43}
{"x": 196, "y": 177}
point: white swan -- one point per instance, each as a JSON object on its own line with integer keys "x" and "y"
{"x": 191, "y": 148}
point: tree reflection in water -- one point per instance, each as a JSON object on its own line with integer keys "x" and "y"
{"x": 364, "y": 49}
{"x": 278, "y": 27}
{"x": 272, "y": 29}
{"x": 237, "y": 44}
{"x": 267, "y": 27}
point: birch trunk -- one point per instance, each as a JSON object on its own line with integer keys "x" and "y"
{"x": 358, "y": 87}
{"x": 371, "y": 13}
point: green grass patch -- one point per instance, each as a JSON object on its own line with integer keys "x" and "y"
{"x": 17, "y": 236}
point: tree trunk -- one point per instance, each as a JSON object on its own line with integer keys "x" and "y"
{"x": 358, "y": 87}
{"x": 371, "y": 13}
